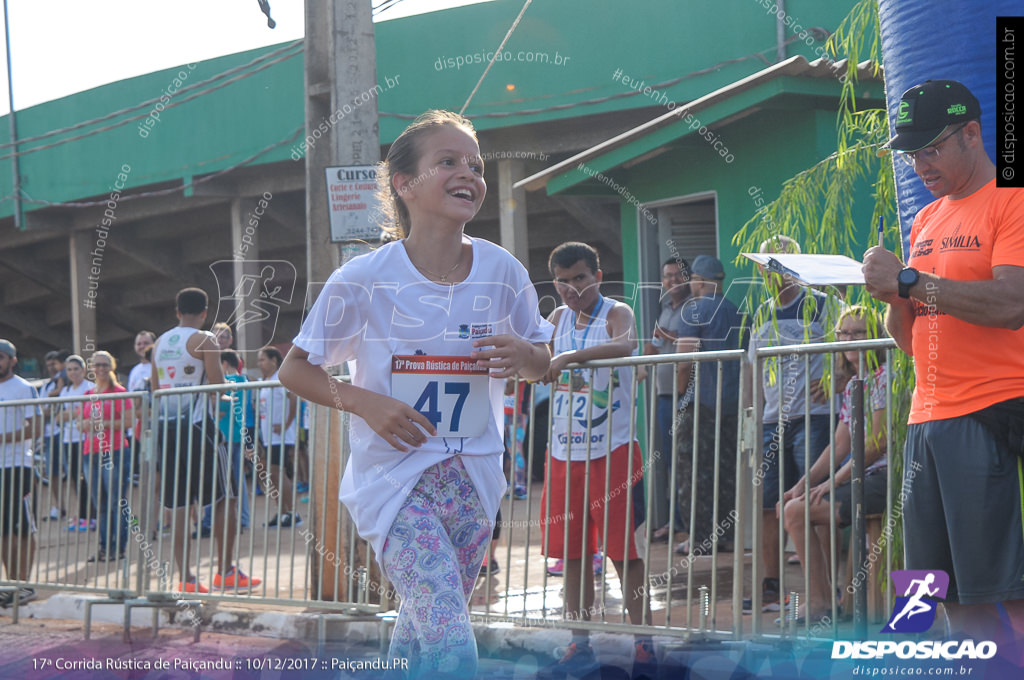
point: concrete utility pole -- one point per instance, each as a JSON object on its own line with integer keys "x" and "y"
{"x": 341, "y": 65}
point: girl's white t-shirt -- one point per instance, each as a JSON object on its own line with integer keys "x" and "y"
{"x": 407, "y": 337}
{"x": 71, "y": 434}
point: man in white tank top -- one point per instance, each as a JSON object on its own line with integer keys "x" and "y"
{"x": 193, "y": 459}
{"x": 592, "y": 432}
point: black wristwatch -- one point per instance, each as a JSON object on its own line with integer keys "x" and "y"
{"x": 907, "y": 279}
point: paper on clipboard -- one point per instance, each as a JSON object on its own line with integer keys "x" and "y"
{"x": 812, "y": 269}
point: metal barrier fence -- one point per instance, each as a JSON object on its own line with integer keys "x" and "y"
{"x": 322, "y": 563}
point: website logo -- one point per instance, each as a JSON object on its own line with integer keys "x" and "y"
{"x": 914, "y": 611}
{"x": 253, "y": 292}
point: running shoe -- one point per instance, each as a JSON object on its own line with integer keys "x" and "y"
{"x": 235, "y": 578}
{"x": 556, "y": 569}
{"x": 286, "y": 521}
{"x": 645, "y": 663}
{"x": 577, "y": 661}
{"x": 192, "y": 586}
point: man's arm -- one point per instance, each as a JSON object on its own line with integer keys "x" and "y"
{"x": 203, "y": 345}
{"x": 899, "y": 322}
{"x": 622, "y": 332}
{"x": 994, "y": 302}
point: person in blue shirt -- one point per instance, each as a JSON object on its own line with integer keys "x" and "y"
{"x": 235, "y": 423}
{"x": 710, "y": 323}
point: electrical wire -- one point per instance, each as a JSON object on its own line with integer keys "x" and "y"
{"x": 172, "y": 190}
{"x": 384, "y": 6}
{"x": 497, "y": 52}
{"x": 600, "y": 100}
{"x": 188, "y": 88}
{"x": 146, "y": 114}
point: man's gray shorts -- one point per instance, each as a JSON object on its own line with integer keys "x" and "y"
{"x": 962, "y": 510}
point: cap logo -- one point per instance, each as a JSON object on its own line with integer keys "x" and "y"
{"x": 905, "y": 115}
{"x": 957, "y": 110}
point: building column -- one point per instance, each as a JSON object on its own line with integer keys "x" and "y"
{"x": 249, "y": 337}
{"x": 86, "y": 276}
{"x": 512, "y": 210}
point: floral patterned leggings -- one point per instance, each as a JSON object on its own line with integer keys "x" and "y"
{"x": 432, "y": 555}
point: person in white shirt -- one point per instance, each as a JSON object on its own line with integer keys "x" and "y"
{"x": 18, "y": 427}
{"x": 194, "y": 459}
{"x": 428, "y": 357}
{"x": 278, "y": 409}
{"x": 141, "y": 371}
{"x": 71, "y": 439}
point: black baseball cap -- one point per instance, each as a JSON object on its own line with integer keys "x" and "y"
{"x": 926, "y": 110}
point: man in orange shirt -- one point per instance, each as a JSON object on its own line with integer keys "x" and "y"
{"x": 957, "y": 307}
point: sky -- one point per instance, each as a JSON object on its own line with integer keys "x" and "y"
{"x": 59, "y": 47}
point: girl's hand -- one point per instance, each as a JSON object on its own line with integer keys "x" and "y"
{"x": 508, "y": 354}
{"x": 396, "y": 422}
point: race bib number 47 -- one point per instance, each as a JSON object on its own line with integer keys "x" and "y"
{"x": 450, "y": 392}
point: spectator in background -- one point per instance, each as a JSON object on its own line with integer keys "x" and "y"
{"x": 792, "y": 315}
{"x": 107, "y": 457}
{"x": 675, "y": 277}
{"x": 56, "y": 463}
{"x": 71, "y": 439}
{"x": 225, "y": 339}
{"x": 141, "y": 371}
{"x": 709, "y": 323}
{"x": 232, "y": 419}
{"x": 186, "y": 356}
{"x": 60, "y": 381}
{"x": 278, "y": 409}
{"x": 517, "y": 407}
{"x": 222, "y": 332}
{"x": 853, "y": 326}
{"x": 590, "y": 326}
{"x": 18, "y": 427}
{"x": 138, "y": 381}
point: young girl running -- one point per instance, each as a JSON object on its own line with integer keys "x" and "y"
{"x": 431, "y": 325}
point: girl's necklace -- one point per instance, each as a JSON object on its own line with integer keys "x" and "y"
{"x": 441, "y": 278}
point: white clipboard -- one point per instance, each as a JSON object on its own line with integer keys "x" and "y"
{"x": 812, "y": 269}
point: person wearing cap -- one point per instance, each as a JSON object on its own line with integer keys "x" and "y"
{"x": 709, "y": 322}
{"x": 956, "y": 307}
{"x": 18, "y": 427}
{"x": 675, "y": 276}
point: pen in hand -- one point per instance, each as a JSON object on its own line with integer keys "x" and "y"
{"x": 880, "y": 228}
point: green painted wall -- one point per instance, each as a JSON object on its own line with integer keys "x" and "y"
{"x": 654, "y": 41}
{"x": 770, "y": 147}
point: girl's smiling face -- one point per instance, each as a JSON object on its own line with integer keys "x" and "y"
{"x": 449, "y": 183}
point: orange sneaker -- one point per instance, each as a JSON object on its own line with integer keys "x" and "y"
{"x": 192, "y": 587}
{"x": 235, "y": 578}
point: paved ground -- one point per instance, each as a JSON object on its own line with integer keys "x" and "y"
{"x": 256, "y": 639}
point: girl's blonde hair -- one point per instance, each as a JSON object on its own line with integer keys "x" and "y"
{"x": 404, "y": 157}
{"x": 860, "y": 312}
{"x": 113, "y": 365}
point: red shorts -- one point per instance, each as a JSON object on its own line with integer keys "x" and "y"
{"x": 591, "y": 504}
